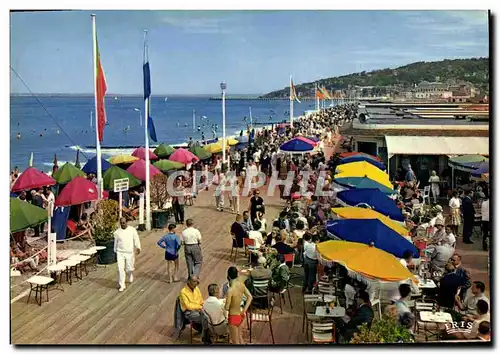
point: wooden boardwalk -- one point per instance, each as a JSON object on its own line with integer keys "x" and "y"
{"x": 92, "y": 311}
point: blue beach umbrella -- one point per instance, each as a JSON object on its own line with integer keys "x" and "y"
{"x": 484, "y": 167}
{"x": 242, "y": 139}
{"x": 91, "y": 165}
{"x": 363, "y": 183}
{"x": 296, "y": 145}
{"x": 373, "y": 197}
{"x": 371, "y": 230}
{"x": 356, "y": 158}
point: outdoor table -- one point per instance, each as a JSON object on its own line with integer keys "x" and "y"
{"x": 99, "y": 248}
{"x": 70, "y": 264}
{"x": 38, "y": 283}
{"x": 92, "y": 253}
{"x": 57, "y": 268}
{"x": 337, "y": 311}
{"x": 425, "y": 284}
{"x": 435, "y": 317}
{"x": 83, "y": 263}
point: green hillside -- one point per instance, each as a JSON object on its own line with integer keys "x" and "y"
{"x": 474, "y": 70}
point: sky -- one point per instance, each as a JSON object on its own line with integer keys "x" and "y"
{"x": 191, "y": 52}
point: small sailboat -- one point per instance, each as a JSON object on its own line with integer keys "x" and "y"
{"x": 166, "y": 98}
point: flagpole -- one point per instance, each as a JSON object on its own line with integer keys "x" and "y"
{"x": 97, "y": 142}
{"x": 194, "y": 120}
{"x": 291, "y": 102}
{"x": 317, "y": 97}
{"x": 146, "y": 121}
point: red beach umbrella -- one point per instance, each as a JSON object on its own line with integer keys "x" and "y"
{"x": 32, "y": 178}
{"x": 79, "y": 190}
{"x": 138, "y": 170}
{"x": 309, "y": 141}
{"x": 354, "y": 153}
{"x": 183, "y": 156}
{"x": 141, "y": 154}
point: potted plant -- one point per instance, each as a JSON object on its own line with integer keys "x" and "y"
{"x": 385, "y": 330}
{"x": 159, "y": 196}
{"x": 104, "y": 225}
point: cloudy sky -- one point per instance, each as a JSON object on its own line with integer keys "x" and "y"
{"x": 254, "y": 51}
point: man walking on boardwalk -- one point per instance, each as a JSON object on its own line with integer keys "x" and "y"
{"x": 126, "y": 242}
{"x": 191, "y": 238}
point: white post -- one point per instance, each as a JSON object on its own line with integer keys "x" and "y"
{"x": 91, "y": 119}
{"x": 146, "y": 118}
{"x": 194, "y": 120}
{"x": 141, "y": 209}
{"x": 291, "y": 103}
{"x": 251, "y": 119}
{"x": 140, "y": 118}
{"x": 97, "y": 142}
{"x": 317, "y": 98}
{"x": 223, "y": 88}
{"x": 120, "y": 201}
{"x": 51, "y": 238}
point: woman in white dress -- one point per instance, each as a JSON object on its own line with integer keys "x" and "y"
{"x": 434, "y": 181}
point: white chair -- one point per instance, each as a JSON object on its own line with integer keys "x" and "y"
{"x": 426, "y": 195}
{"x": 376, "y": 292}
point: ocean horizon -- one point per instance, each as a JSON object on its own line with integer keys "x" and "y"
{"x": 62, "y": 125}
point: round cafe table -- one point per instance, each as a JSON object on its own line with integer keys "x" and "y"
{"x": 99, "y": 248}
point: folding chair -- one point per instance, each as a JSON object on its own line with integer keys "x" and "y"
{"x": 307, "y": 299}
{"x": 234, "y": 249}
{"x": 322, "y": 332}
{"x": 262, "y": 316}
{"x": 426, "y": 195}
{"x": 249, "y": 247}
{"x": 73, "y": 230}
{"x": 290, "y": 258}
{"x": 217, "y": 337}
{"x": 261, "y": 287}
{"x": 424, "y": 305}
{"x": 376, "y": 301}
{"x": 281, "y": 294}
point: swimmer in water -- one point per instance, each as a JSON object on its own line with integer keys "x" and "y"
{"x": 18, "y": 136}
{"x": 178, "y": 124}
{"x": 41, "y": 134}
{"x": 185, "y": 124}
{"x": 57, "y": 131}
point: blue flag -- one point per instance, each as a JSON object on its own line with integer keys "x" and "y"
{"x": 147, "y": 95}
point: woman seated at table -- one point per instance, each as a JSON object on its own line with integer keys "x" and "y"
{"x": 84, "y": 226}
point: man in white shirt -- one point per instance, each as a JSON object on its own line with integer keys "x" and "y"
{"x": 475, "y": 294}
{"x": 310, "y": 263}
{"x": 485, "y": 218}
{"x": 191, "y": 239}
{"x": 257, "y": 236}
{"x": 449, "y": 239}
{"x": 214, "y": 309}
{"x": 126, "y": 242}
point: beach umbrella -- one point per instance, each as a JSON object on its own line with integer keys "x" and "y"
{"x": 31, "y": 178}
{"x": 183, "y": 156}
{"x": 483, "y": 168}
{"x": 363, "y": 183}
{"x": 67, "y": 172}
{"x": 296, "y": 145}
{"x": 307, "y": 140}
{"x": 314, "y": 138}
{"x": 361, "y": 166}
{"x": 122, "y": 159}
{"x": 356, "y": 158}
{"x": 164, "y": 150}
{"x": 467, "y": 163}
{"x": 91, "y": 166}
{"x": 167, "y": 165}
{"x": 138, "y": 170}
{"x": 55, "y": 167}
{"x": 371, "y": 231}
{"x": 115, "y": 172}
{"x": 215, "y": 148}
{"x": 367, "y": 261}
{"x": 229, "y": 141}
{"x": 200, "y": 152}
{"x": 375, "y": 199}
{"x": 80, "y": 190}
{"x": 364, "y": 213}
{"x": 379, "y": 178}
{"x": 24, "y": 215}
{"x": 140, "y": 152}
{"x": 356, "y": 153}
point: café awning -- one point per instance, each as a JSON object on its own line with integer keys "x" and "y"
{"x": 436, "y": 145}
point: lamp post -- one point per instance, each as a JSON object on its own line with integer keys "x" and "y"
{"x": 140, "y": 115}
{"x": 223, "y": 87}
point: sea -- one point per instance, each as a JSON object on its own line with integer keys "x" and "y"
{"x": 52, "y": 126}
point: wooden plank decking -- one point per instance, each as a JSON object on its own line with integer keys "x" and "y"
{"x": 92, "y": 311}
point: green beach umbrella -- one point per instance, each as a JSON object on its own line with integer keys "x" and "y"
{"x": 168, "y": 165}
{"x": 200, "y": 152}
{"x": 467, "y": 163}
{"x": 66, "y": 173}
{"x": 24, "y": 215}
{"x": 115, "y": 172}
{"x": 164, "y": 150}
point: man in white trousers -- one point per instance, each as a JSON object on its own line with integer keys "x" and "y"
{"x": 126, "y": 242}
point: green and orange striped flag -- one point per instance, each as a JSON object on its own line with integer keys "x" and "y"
{"x": 325, "y": 93}
{"x": 293, "y": 93}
